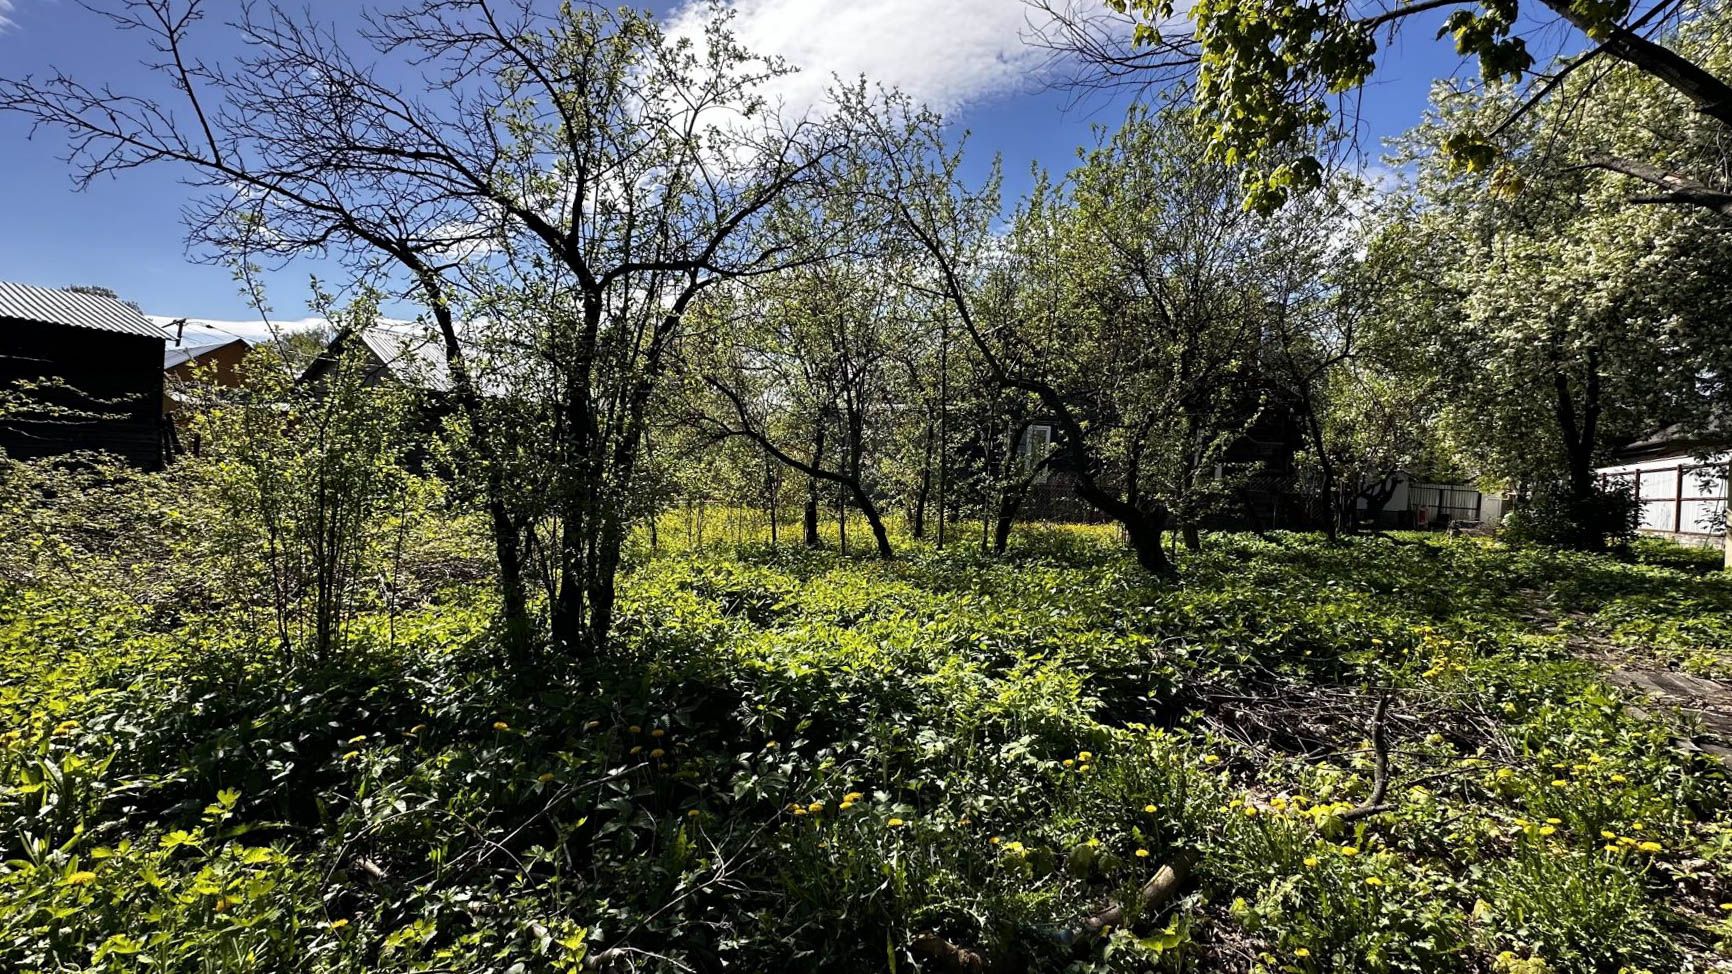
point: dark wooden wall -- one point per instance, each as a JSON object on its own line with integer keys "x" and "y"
{"x": 109, "y": 395}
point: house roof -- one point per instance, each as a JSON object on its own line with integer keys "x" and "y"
{"x": 414, "y": 358}
{"x": 57, "y": 306}
{"x": 1679, "y": 439}
{"x": 172, "y": 356}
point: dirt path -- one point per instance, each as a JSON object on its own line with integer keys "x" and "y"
{"x": 1705, "y": 703}
{"x": 1702, "y": 705}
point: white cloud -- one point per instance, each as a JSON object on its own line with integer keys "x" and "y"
{"x": 6, "y": 22}
{"x": 946, "y": 54}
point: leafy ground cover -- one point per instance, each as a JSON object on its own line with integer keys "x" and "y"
{"x": 796, "y": 760}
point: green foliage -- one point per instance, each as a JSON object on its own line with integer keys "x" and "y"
{"x": 1608, "y": 516}
{"x": 795, "y": 759}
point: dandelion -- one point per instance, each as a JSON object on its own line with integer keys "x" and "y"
{"x": 1651, "y": 847}
{"x": 417, "y": 730}
{"x": 853, "y": 796}
{"x": 358, "y": 738}
{"x": 1608, "y": 836}
{"x": 694, "y": 813}
{"x": 815, "y": 807}
{"x": 1211, "y": 759}
{"x": 1301, "y": 952}
{"x": 1619, "y": 779}
{"x": 1373, "y": 881}
{"x": 339, "y": 923}
{"x": 1069, "y": 763}
{"x": 895, "y": 823}
{"x": 1560, "y": 783}
{"x": 1350, "y": 851}
{"x": 1085, "y": 756}
{"x": 592, "y": 725}
{"x": 1547, "y": 830}
{"x": 1142, "y": 853}
{"x": 1250, "y": 811}
{"x": 1727, "y": 907}
{"x": 771, "y": 746}
{"x": 799, "y": 810}
{"x": 657, "y": 753}
{"x": 636, "y": 729}
{"x": 636, "y": 748}
{"x": 83, "y": 877}
{"x": 1312, "y": 862}
{"x": 1150, "y": 808}
{"x": 545, "y": 777}
{"x": 1554, "y": 821}
{"x": 658, "y": 732}
{"x": 500, "y": 725}
{"x": 845, "y": 806}
{"x": 995, "y": 840}
{"x": 351, "y": 755}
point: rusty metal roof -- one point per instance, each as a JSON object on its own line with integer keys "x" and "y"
{"x": 60, "y": 307}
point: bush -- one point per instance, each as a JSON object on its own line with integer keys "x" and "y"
{"x": 1608, "y": 516}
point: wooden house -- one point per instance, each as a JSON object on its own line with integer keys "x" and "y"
{"x": 79, "y": 372}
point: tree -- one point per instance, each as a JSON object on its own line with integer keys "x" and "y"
{"x": 1560, "y": 316}
{"x": 582, "y": 156}
{"x": 1274, "y": 78}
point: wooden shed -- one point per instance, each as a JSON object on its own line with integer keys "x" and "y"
{"x": 79, "y": 372}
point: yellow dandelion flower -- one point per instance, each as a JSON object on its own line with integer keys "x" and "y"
{"x": 636, "y": 728}
{"x": 658, "y": 732}
{"x": 500, "y": 725}
{"x": 545, "y": 777}
{"x": 1560, "y": 783}
{"x": 1085, "y": 756}
{"x": 694, "y": 813}
{"x": 1350, "y": 850}
{"x": 1211, "y": 759}
{"x": 853, "y": 796}
{"x": 1250, "y": 811}
{"x": 1301, "y": 952}
{"x": 1150, "y": 808}
{"x": 83, "y": 877}
{"x": 799, "y": 810}
{"x": 657, "y": 753}
{"x": 1548, "y": 830}
{"x": 1651, "y": 847}
{"x": 815, "y": 807}
{"x": 1608, "y": 835}
{"x": 1554, "y": 821}
{"x": 1312, "y": 862}
{"x": 1069, "y": 763}
{"x": 417, "y": 729}
{"x": 1142, "y": 853}
{"x": 339, "y": 923}
{"x": 1373, "y": 881}
{"x": 635, "y": 749}
{"x": 995, "y": 840}
{"x": 895, "y": 823}
{"x": 1620, "y": 779}
{"x": 351, "y": 755}
{"x": 845, "y": 806}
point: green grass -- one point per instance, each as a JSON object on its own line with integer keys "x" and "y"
{"x": 796, "y": 760}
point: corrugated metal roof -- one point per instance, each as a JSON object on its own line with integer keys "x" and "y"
{"x": 414, "y": 357}
{"x": 60, "y": 307}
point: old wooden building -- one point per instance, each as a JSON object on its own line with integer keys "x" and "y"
{"x": 79, "y": 372}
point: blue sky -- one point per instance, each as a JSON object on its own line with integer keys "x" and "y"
{"x": 965, "y": 56}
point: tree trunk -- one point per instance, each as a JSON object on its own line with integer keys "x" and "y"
{"x": 812, "y": 489}
{"x": 1193, "y": 539}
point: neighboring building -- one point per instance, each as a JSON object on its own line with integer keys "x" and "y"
{"x": 217, "y": 362}
{"x": 1681, "y": 480}
{"x": 79, "y": 372}
{"x": 1420, "y": 505}
{"x": 393, "y": 353}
